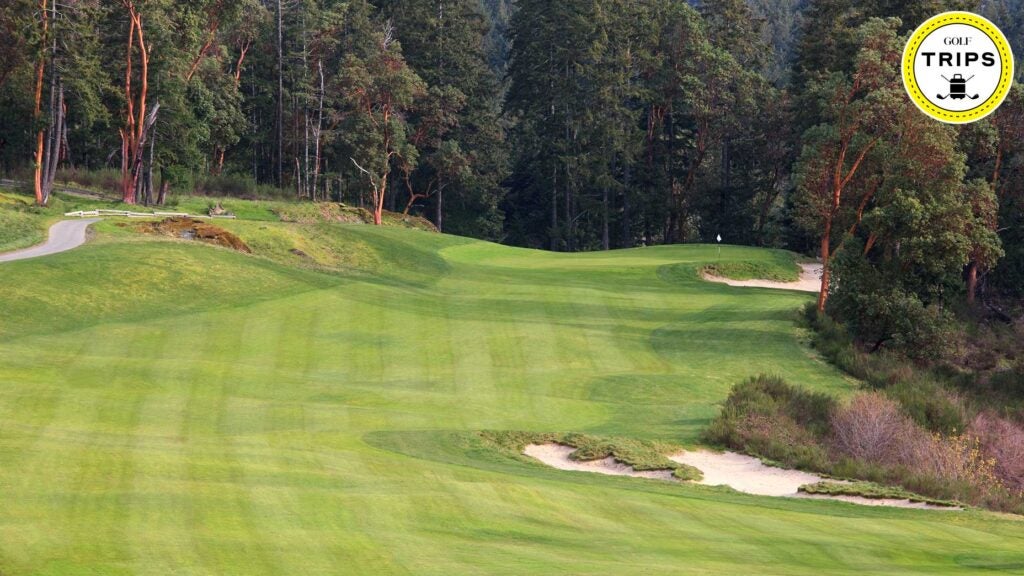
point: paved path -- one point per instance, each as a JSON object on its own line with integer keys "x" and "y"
{"x": 810, "y": 280}
{"x": 64, "y": 236}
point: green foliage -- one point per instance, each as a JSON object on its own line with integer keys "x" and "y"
{"x": 769, "y": 418}
{"x": 629, "y": 114}
{"x": 929, "y": 404}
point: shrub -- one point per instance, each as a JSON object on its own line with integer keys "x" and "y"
{"x": 767, "y": 417}
{"x": 873, "y": 438}
{"x": 106, "y": 180}
{"x": 1002, "y": 441}
{"x": 872, "y": 427}
{"x": 237, "y": 186}
{"x": 929, "y": 404}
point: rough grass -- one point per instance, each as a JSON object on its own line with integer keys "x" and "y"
{"x": 19, "y": 230}
{"x": 781, "y": 267}
{"x": 871, "y": 490}
{"x": 641, "y": 455}
{"x": 169, "y": 407}
{"x": 21, "y": 225}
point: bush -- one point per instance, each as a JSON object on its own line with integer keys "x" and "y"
{"x": 107, "y": 180}
{"x": 237, "y": 187}
{"x": 929, "y": 404}
{"x": 767, "y": 417}
{"x": 872, "y": 427}
{"x": 874, "y": 438}
{"x": 1002, "y": 441}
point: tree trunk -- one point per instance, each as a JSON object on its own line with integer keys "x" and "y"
{"x": 280, "y": 97}
{"x": 38, "y": 110}
{"x": 826, "y": 273}
{"x": 317, "y": 132}
{"x": 554, "y": 208}
{"x": 440, "y": 208}
{"x": 164, "y": 185}
{"x": 55, "y": 140}
{"x": 605, "y": 237}
{"x": 378, "y": 207}
{"x": 627, "y": 226}
{"x": 972, "y": 283}
{"x": 133, "y": 135}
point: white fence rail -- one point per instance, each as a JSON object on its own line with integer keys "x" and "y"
{"x": 129, "y": 214}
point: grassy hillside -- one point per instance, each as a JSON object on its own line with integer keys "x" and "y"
{"x": 19, "y": 225}
{"x": 173, "y": 408}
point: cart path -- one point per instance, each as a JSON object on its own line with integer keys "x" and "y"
{"x": 65, "y": 235}
{"x": 810, "y": 280}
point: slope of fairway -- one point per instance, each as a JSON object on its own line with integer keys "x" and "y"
{"x": 171, "y": 408}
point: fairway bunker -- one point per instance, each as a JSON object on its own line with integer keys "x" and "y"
{"x": 739, "y": 472}
{"x": 810, "y": 280}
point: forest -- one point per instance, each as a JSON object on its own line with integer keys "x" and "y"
{"x": 579, "y": 125}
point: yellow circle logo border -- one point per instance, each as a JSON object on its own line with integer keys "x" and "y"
{"x": 984, "y": 26}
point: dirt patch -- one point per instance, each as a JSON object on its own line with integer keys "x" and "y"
{"x": 810, "y": 280}
{"x": 189, "y": 229}
{"x": 739, "y": 472}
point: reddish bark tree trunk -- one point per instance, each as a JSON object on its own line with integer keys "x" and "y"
{"x": 826, "y": 274}
{"x": 133, "y": 134}
{"x": 972, "y": 283}
{"x": 38, "y": 110}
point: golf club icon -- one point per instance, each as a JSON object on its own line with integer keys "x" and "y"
{"x": 957, "y": 88}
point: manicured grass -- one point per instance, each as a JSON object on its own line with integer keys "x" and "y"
{"x": 174, "y": 408}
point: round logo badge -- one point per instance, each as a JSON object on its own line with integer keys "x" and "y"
{"x": 958, "y": 67}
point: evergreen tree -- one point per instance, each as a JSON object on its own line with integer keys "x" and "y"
{"x": 458, "y": 130}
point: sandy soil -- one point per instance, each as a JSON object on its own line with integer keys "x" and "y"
{"x": 64, "y": 236}
{"x": 810, "y": 280}
{"x": 739, "y": 472}
{"x": 745, "y": 474}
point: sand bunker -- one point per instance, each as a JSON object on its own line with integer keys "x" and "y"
{"x": 745, "y": 474}
{"x": 810, "y": 280}
{"x": 739, "y": 472}
{"x": 557, "y": 456}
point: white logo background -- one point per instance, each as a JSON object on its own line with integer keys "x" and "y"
{"x": 981, "y": 80}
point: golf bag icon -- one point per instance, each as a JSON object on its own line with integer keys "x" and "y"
{"x": 957, "y": 88}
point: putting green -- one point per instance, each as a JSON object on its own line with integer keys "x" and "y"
{"x": 171, "y": 408}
